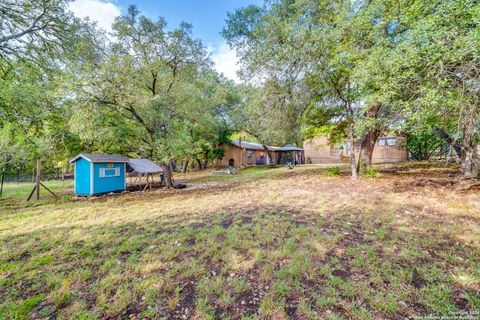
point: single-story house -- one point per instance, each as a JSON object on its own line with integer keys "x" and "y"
{"x": 388, "y": 148}
{"x": 243, "y": 153}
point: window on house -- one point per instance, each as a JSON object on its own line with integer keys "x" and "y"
{"x": 391, "y": 141}
{"x": 109, "y": 172}
{"x": 382, "y": 142}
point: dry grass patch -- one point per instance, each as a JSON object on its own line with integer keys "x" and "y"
{"x": 268, "y": 243}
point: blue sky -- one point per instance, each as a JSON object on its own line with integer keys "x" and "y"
{"x": 206, "y": 16}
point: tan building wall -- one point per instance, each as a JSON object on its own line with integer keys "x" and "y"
{"x": 243, "y": 157}
{"x": 319, "y": 151}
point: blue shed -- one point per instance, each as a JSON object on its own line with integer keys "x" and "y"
{"x": 99, "y": 173}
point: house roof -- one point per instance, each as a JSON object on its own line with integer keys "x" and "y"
{"x": 143, "y": 166}
{"x": 257, "y": 146}
{"x": 91, "y": 157}
{"x": 249, "y": 145}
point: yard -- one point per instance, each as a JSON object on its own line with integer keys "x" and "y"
{"x": 306, "y": 243}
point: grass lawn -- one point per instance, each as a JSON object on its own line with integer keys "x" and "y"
{"x": 23, "y": 189}
{"x": 266, "y": 243}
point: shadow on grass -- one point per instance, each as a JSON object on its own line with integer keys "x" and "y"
{"x": 258, "y": 261}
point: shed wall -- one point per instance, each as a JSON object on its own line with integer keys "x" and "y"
{"x": 108, "y": 184}
{"x": 82, "y": 177}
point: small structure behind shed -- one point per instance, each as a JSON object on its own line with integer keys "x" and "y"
{"x": 143, "y": 171}
{"x": 99, "y": 173}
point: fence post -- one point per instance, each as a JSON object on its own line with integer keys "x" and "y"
{"x": 37, "y": 181}
{"x": 1, "y": 183}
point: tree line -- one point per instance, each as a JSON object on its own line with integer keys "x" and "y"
{"x": 356, "y": 69}
{"x": 144, "y": 90}
{"x": 347, "y": 69}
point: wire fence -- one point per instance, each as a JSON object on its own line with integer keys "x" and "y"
{"x": 31, "y": 178}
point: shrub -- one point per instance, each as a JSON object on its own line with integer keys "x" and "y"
{"x": 371, "y": 173}
{"x": 331, "y": 172}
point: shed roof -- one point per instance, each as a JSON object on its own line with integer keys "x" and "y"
{"x": 143, "y": 166}
{"x": 257, "y": 146}
{"x": 91, "y": 157}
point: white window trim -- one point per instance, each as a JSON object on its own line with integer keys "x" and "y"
{"x": 391, "y": 138}
{"x": 116, "y": 174}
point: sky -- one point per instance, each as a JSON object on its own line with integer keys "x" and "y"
{"x": 206, "y": 16}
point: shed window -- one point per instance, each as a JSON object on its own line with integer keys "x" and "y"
{"x": 382, "y": 142}
{"x": 109, "y": 172}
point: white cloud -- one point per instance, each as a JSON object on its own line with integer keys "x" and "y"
{"x": 102, "y": 12}
{"x": 226, "y": 60}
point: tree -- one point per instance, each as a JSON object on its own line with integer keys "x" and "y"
{"x": 154, "y": 94}
{"x": 304, "y": 45}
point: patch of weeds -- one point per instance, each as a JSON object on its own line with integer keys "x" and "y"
{"x": 225, "y": 300}
{"x": 20, "y": 309}
{"x": 203, "y": 310}
{"x": 305, "y": 310}
{"x": 149, "y": 314}
{"x": 241, "y": 285}
{"x": 438, "y": 298}
{"x": 267, "y": 307}
{"x": 172, "y": 301}
{"x": 371, "y": 173}
{"x": 332, "y": 172}
{"x": 282, "y": 288}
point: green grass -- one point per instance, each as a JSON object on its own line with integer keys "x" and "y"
{"x": 265, "y": 243}
{"x": 23, "y": 189}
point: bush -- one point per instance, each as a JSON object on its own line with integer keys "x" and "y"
{"x": 371, "y": 173}
{"x": 331, "y": 172}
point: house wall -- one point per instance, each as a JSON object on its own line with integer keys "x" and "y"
{"x": 397, "y": 153}
{"x": 244, "y": 157}
{"x": 319, "y": 151}
{"x": 82, "y": 177}
{"x": 108, "y": 184}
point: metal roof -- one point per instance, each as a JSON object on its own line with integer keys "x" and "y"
{"x": 258, "y": 146}
{"x": 143, "y": 166}
{"x": 289, "y": 147}
{"x": 91, "y": 157}
{"x": 250, "y": 145}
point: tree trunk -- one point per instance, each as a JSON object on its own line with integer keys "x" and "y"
{"x": 200, "y": 167}
{"x": 455, "y": 145}
{"x": 467, "y": 163}
{"x": 353, "y": 165}
{"x": 368, "y": 143}
{"x": 167, "y": 173}
{"x": 206, "y": 160}
{"x": 172, "y": 166}
{"x": 185, "y": 165}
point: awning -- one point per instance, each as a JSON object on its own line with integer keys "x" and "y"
{"x": 143, "y": 166}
